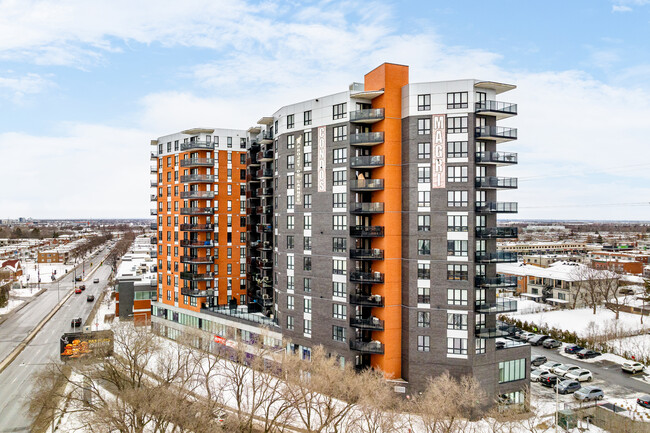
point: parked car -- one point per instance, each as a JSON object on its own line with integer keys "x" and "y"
{"x": 644, "y": 401}
{"x": 96, "y": 280}
{"x": 562, "y": 370}
{"x": 77, "y": 290}
{"x": 551, "y": 344}
{"x": 538, "y": 360}
{"x": 538, "y": 340}
{"x": 530, "y": 336}
{"x": 77, "y": 278}
{"x": 537, "y": 374}
{"x": 581, "y": 375}
{"x": 82, "y": 287}
{"x": 572, "y": 348}
{"x": 549, "y": 365}
{"x": 567, "y": 386}
{"x": 632, "y": 367}
{"x": 589, "y": 393}
{"x": 550, "y": 381}
{"x": 524, "y": 336}
{"x": 90, "y": 298}
{"x": 75, "y": 323}
{"x": 586, "y": 354}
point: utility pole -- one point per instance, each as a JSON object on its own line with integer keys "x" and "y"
{"x": 557, "y": 405}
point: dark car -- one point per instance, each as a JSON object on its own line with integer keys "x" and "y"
{"x": 75, "y": 323}
{"x": 586, "y": 354}
{"x": 77, "y": 278}
{"x": 573, "y": 348}
{"x": 550, "y": 381}
{"x": 90, "y": 298}
{"x": 551, "y": 343}
{"x": 538, "y": 360}
{"x": 82, "y": 287}
{"x": 568, "y": 386}
{"x": 538, "y": 340}
{"x": 644, "y": 401}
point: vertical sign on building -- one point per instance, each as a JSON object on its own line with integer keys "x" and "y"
{"x": 439, "y": 151}
{"x": 298, "y": 172}
{"x": 322, "y": 159}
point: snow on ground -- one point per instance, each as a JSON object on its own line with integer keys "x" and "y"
{"x": 637, "y": 346}
{"x": 525, "y": 306}
{"x": 106, "y": 308}
{"x": 46, "y": 270}
{"x": 13, "y": 304}
{"x": 23, "y": 293}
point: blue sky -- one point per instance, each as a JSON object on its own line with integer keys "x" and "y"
{"x": 85, "y": 85}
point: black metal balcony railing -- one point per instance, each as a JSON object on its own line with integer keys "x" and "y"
{"x": 367, "y": 185}
{"x": 489, "y": 332}
{"x": 367, "y": 231}
{"x": 154, "y": 169}
{"x": 197, "y": 162}
{"x": 154, "y": 197}
{"x": 367, "y": 346}
{"x": 494, "y": 182}
{"x": 191, "y": 243}
{"x": 198, "y": 178}
{"x": 201, "y": 195}
{"x": 367, "y": 161}
{"x": 496, "y": 207}
{"x": 366, "y": 277}
{"x": 192, "y": 276}
{"x": 367, "y": 208}
{"x": 498, "y": 257}
{"x": 497, "y": 307}
{"x": 154, "y": 155}
{"x": 496, "y": 107}
{"x": 265, "y": 137}
{"x": 154, "y": 241}
{"x": 496, "y": 158}
{"x": 197, "y": 227}
{"x": 153, "y": 226}
{"x": 497, "y": 232}
{"x": 197, "y": 211}
{"x": 498, "y": 281}
{"x": 199, "y": 145}
{"x": 193, "y": 293}
{"x": 424, "y": 299}
{"x": 372, "y": 323}
{"x": 366, "y": 300}
{"x": 154, "y": 183}
{"x": 370, "y": 115}
{"x": 196, "y": 260}
{"x": 499, "y": 133}
{"x": 372, "y": 254}
{"x": 154, "y": 211}
{"x": 367, "y": 138}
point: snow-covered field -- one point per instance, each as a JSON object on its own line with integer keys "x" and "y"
{"x": 45, "y": 270}
{"x": 13, "y": 303}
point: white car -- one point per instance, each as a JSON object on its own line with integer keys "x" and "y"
{"x": 632, "y": 367}
{"x": 549, "y": 366}
{"x": 581, "y": 375}
{"x": 562, "y": 370}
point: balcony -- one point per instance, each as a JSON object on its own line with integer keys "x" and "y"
{"x": 496, "y": 133}
{"x": 372, "y": 254}
{"x": 154, "y": 183}
{"x": 193, "y": 293}
{"x": 367, "y": 347}
{"x": 367, "y": 185}
{"x": 496, "y": 307}
{"x": 153, "y": 254}
{"x": 197, "y": 227}
{"x": 197, "y": 145}
{"x": 197, "y": 211}
{"x": 367, "y": 300}
{"x": 498, "y": 257}
{"x": 264, "y": 228}
{"x": 498, "y": 281}
{"x": 366, "y": 277}
{"x": 252, "y": 161}
{"x": 367, "y": 161}
{"x": 153, "y": 226}
{"x": 198, "y": 178}
{"x": 371, "y": 323}
{"x": 154, "y": 197}
{"x": 264, "y": 246}
{"x": 195, "y": 260}
{"x": 489, "y": 332}
{"x": 367, "y": 231}
{"x": 266, "y": 173}
{"x": 265, "y": 138}
{"x": 263, "y": 263}
{"x": 153, "y": 241}
{"x": 496, "y": 207}
{"x": 497, "y": 232}
{"x": 264, "y": 209}
{"x": 493, "y": 182}
{"x": 201, "y": 195}
{"x": 154, "y": 169}
{"x": 265, "y": 156}
{"x": 366, "y": 208}
{"x": 197, "y": 162}
{"x": 367, "y": 138}
{"x": 193, "y": 243}
{"x": 154, "y": 156}
{"x": 371, "y": 115}
{"x": 500, "y": 110}
{"x": 264, "y": 192}
{"x": 496, "y": 158}
{"x": 191, "y": 276}
{"x": 154, "y": 212}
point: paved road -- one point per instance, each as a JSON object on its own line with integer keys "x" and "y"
{"x": 15, "y": 380}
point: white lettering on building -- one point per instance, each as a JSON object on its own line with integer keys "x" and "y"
{"x": 322, "y": 159}
{"x": 439, "y": 151}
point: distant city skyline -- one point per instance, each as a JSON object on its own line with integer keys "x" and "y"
{"x": 84, "y": 87}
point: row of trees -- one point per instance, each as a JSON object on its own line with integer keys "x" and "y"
{"x": 121, "y": 247}
{"x": 91, "y": 243}
{"x": 159, "y": 386}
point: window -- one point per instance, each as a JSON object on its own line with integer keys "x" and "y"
{"x": 340, "y": 156}
{"x": 510, "y": 371}
{"x": 242, "y": 145}
{"x": 424, "y": 247}
{"x": 424, "y": 223}
{"x": 306, "y": 324}
{"x": 424, "y": 150}
{"x": 307, "y": 245}
{"x": 424, "y": 174}
{"x": 306, "y": 220}
{"x": 290, "y": 181}
{"x": 456, "y": 125}
{"x": 306, "y": 116}
{"x": 290, "y": 122}
{"x": 290, "y": 323}
{"x": 290, "y": 242}
{"x": 290, "y": 302}
{"x": 480, "y": 345}
{"x": 424, "y": 102}
{"x": 424, "y": 271}
{"x": 423, "y": 343}
{"x": 456, "y": 223}
{"x": 424, "y": 296}
{"x": 457, "y": 321}
{"x": 340, "y": 200}
{"x": 457, "y": 248}
{"x": 339, "y": 245}
{"x": 307, "y": 306}
{"x": 290, "y": 260}
{"x": 291, "y": 142}
{"x": 339, "y": 289}
{"x": 306, "y": 265}
{"x": 290, "y": 284}
{"x": 424, "y": 198}
{"x": 229, "y": 142}
{"x": 424, "y": 126}
{"x": 457, "y": 198}
{"x": 457, "y": 174}
{"x": 307, "y": 160}
{"x": 457, "y": 296}
{"x": 457, "y": 346}
{"x": 457, "y": 100}
{"x": 291, "y": 162}
{"x": 307, "y": 284}
{"x": 340, "y": 222}
{"x": 306, "y": 199}
{"x": 338, "y": 333}
{"x": 306, "y": 180}
{"x": 424, "y": 320}
{"x": 340, "y": 177}
{"x": 339, "y": 266}
{"x": 339, "y": 111}
{"x": 340, "y": 133}
{"x": 339, "y": 311}
{"x": 457, "y": 272}
{"x": 457, "y": 149}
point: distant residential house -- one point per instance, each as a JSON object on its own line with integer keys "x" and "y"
{"x": 13, "y": 268}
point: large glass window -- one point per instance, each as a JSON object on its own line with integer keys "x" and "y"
{"x": 457, "y": 321}
{"x": 457, "y": 198}
{"x": 340, "y": 133}
{"x": 457, "y": 346}
{"x": 338, "y": 333}
{"x": 457, "y": 272}
{"x": 457, "y": 248}
{"x": 424, "y": 271}
{"x": 512, "y": 370}
{"x": 423, "y": 343}
{"x": 456, "y": 125}
{"x": 424, "y": 126}
{"x": 457, "y": 149}
{"x": 457, "y": 296}
{"x": 339, "y": 311}
{"x": 424, "y": 150}
{"x": 424, "y": 319}
{"x": 340, "y": 156}
{"x": 339, "y": 111}
{"x": 339, "y": 289}
{"x": 456, "y": 223}
{"x": 424, "y": 102}
{"x": 457, "y": 100}
{"x": 457, "y": 174}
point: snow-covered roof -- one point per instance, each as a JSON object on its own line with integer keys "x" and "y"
{"x": 565, "y": 271}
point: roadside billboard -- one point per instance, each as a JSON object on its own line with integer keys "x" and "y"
{"x": 74, "y": 345}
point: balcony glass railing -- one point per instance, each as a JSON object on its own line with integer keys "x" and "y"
{"x": 367, "y": 231}
{"x": 194, "y": 293}
{"x": 199, "y": 145}
{"x": 369, "y": 115}
{"x": 265, "y": 156}
{"x": 496, "y": 107}
{"x": 496, "y": 207}
{"x": 366, "y": 277}
{"x": 367, "y": 300}
{"x": 191, "y": 276}
{"x": 197, "y": 162}
{"x": 367, "y": 138}
{"x": 498, "y": 281}
{"x": 263, "y": 192}
{"x": 496, "y": 132}
{"x": 367, "y": 161}
{"x": 196, "y": 243}
{"x": 496, "y": 157}
{"x": 496, "y": 182}
{"x": 497, "y": 232}
{"x": 196, "y": 260}
{"x": 154, "y": 211}
{"x": 204, "y": 195}
{"x": 497, "y": 307}
{"x": 363, "y": 208}
{"x": 367, "y": 185}
{"x": 373, "y": 323}
{"x": 196, "y": 227}
{"x": 198, "y": 178}
{"x": 498, "y": 257}
{"x": 197, "y": 211}
{"x": 265, "y": 173}
{"x": 367, "y": 346}
{"x": 372, "y": 254}
{"x": 489, "y": 333}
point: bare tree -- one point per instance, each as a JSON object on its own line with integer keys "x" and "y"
{"x": 378, "y": 409}
{"x": 588, "y": 280}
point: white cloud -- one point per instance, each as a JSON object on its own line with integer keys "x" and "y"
{"x": 621, "y": 8}
{"x": 17, "y": 87}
